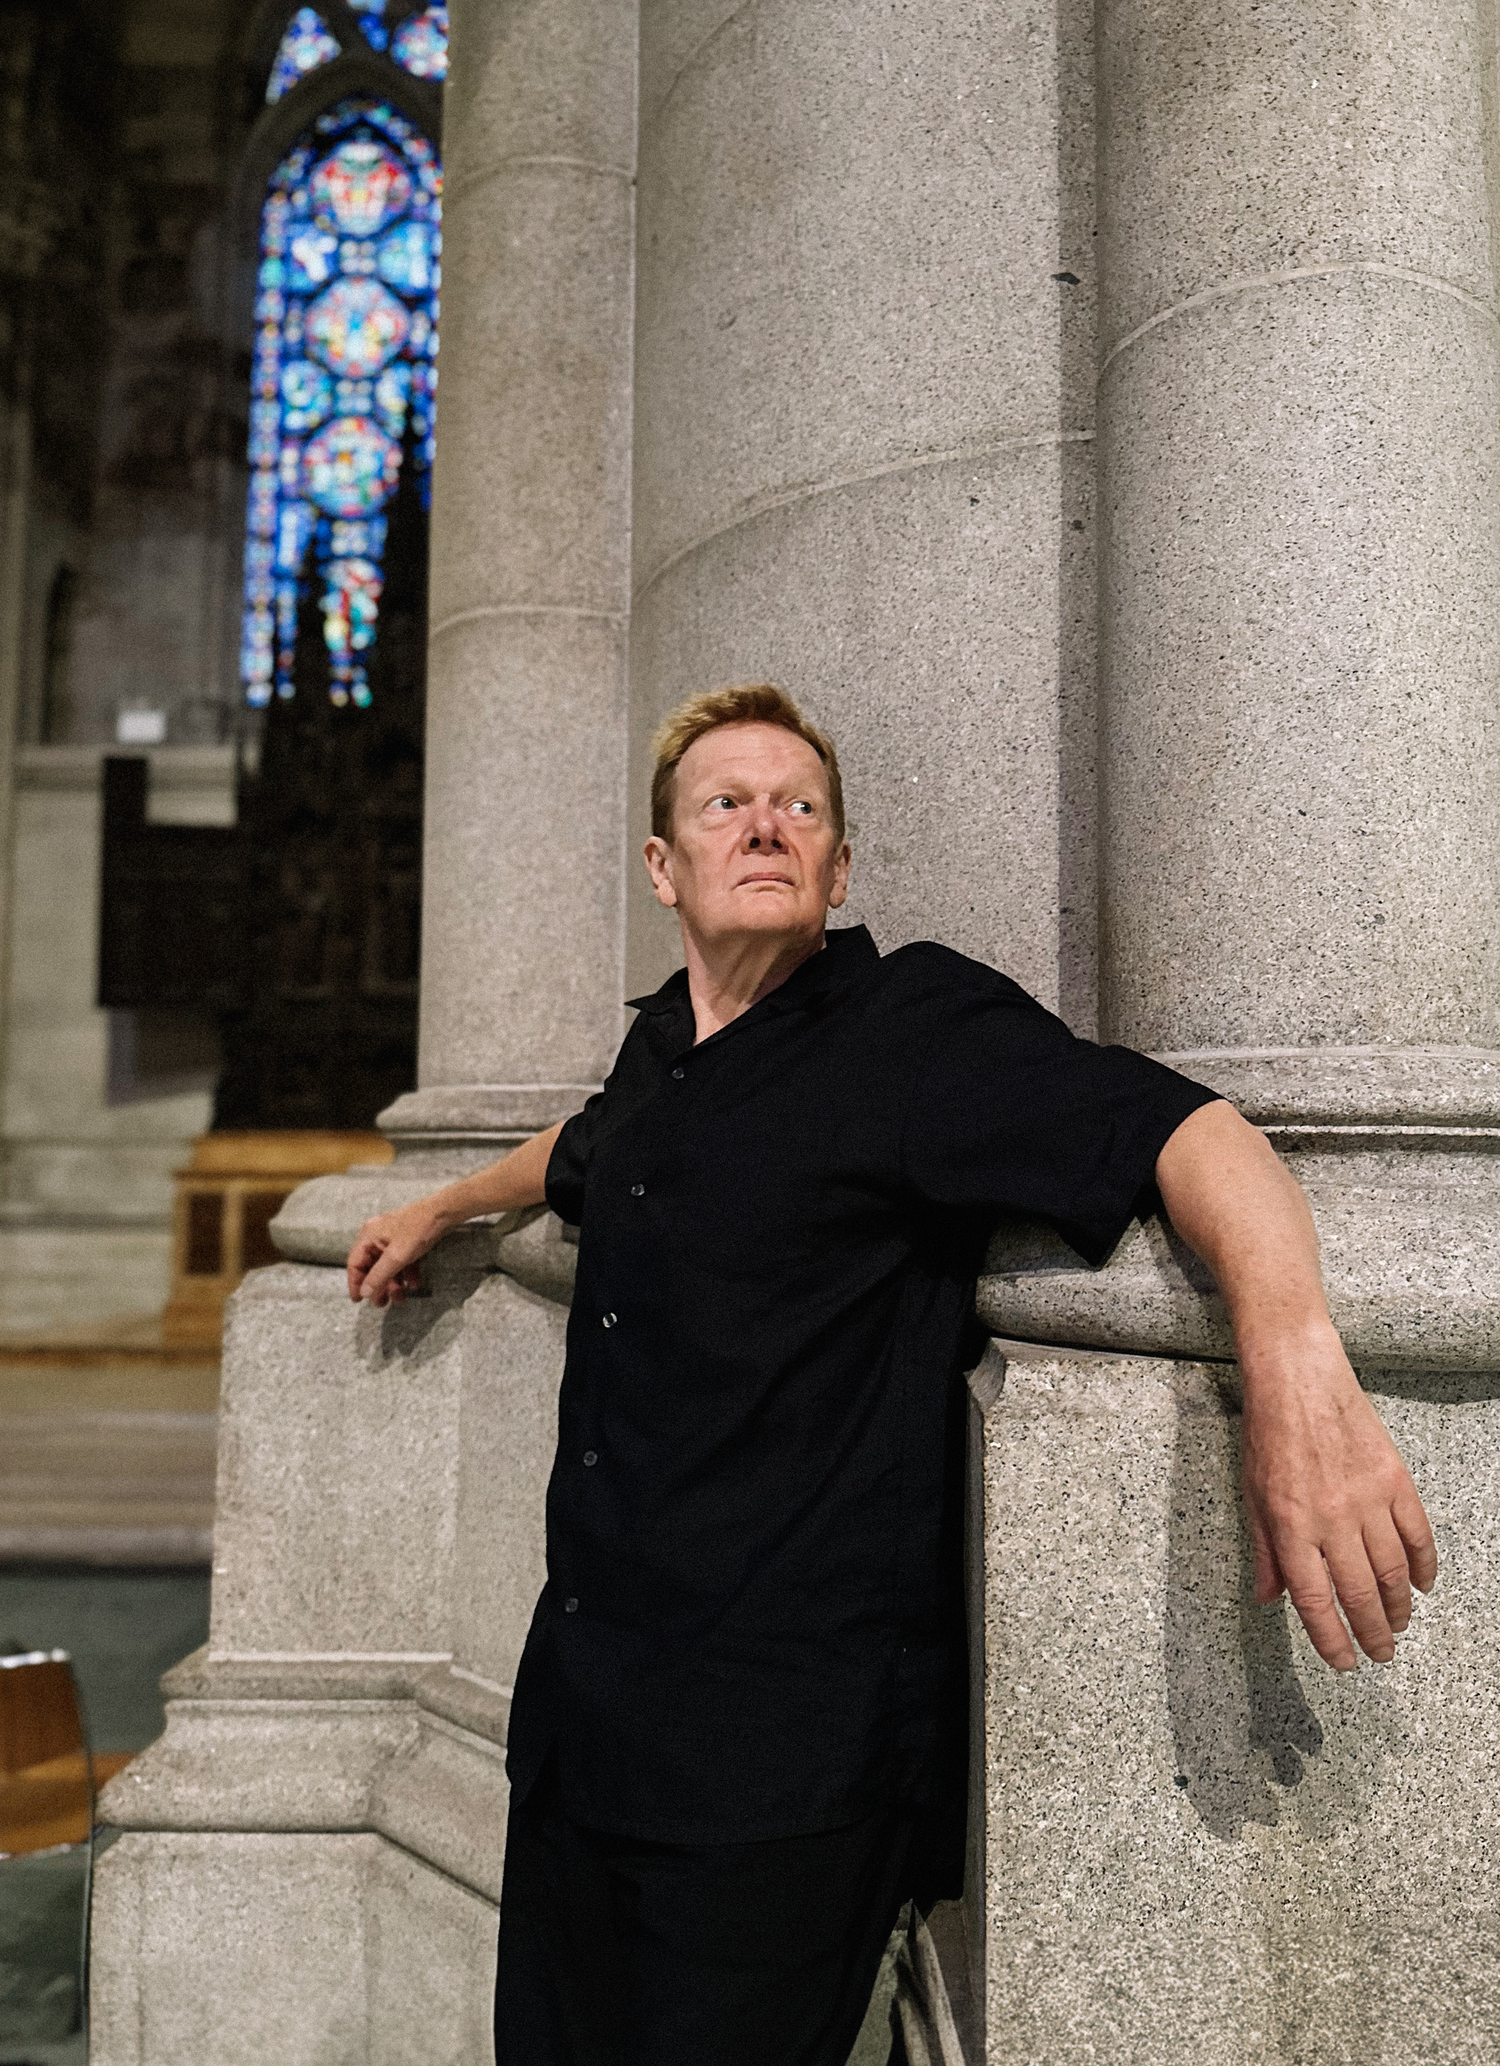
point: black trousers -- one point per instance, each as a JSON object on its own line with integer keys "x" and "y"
{"x": 615, "y": 1952}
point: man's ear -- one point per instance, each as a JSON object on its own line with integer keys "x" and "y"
{"x": 658, "y": 863}
{"x": 841, "y": 867}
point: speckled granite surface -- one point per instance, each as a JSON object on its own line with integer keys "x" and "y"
{"x": 1202, "y": 1846}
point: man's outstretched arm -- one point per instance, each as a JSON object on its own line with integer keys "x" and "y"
{"x": 383, "y": 1261}
{"x": 1332, "y": 1508}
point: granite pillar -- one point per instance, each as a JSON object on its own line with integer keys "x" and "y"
{"x": 1299, "y": 451}
{"x": 521, "y": 946}
{"x": 1300, "y": 532}
{"x": 1198, "y": 1846}
{"x": 863, "y": 420}
{"x": 1195, "y": 1843}
{"x": 328, "y": 1802}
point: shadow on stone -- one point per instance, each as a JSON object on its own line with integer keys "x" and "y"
{"x": 1282, "y": 1725}
{"x": 1239, "y": 1715}
{"x": 419, "y": 1328}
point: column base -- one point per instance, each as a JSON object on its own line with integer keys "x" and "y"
{"x": 305, "y": 1949}
{"x": 1194, "y": 1843}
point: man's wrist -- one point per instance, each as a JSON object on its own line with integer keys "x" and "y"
{"x": 451, "y": 1207}
{"x": 1288, "y": 1350}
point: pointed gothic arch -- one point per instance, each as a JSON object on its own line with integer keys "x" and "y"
{"x": 339, "y": 211}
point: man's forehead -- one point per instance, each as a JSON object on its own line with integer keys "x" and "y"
{"x": 745, "y": 748}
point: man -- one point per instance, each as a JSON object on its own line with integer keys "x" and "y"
{"x": 737, "y": 1740}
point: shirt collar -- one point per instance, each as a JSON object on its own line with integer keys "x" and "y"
{"x": 843, "y": 954}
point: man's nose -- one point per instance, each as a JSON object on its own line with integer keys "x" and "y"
{"x": 762, "y": 828}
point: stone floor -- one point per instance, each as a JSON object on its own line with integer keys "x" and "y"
{"x": 107, "y": 1448}
{"x": 123, "y": 1628}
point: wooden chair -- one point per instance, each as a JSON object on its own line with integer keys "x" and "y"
{"x": 48, "y": 1778}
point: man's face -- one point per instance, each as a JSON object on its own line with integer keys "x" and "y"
{"x": 753, "y": 848}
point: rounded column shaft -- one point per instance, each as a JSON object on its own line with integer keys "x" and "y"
{"x": 861, "y": 464}
{"x": 522, "y": 916}
{"x": 1300, "y": 526}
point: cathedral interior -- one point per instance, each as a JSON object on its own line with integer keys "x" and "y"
{"x": 1087, "y": 410}
{"x": 220, "y": 239}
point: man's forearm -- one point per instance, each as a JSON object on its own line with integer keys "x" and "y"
{"x": 1332, "y": 1508}
{"x": 514, "y": 1182}
{"x": 1239, "y": 1207}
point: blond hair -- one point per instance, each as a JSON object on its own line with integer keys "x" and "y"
{"x": 754, "y": 703}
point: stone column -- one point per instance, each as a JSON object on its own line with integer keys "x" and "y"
{"x": 862, "y": 455}
{"x": 329, "y": 1800}
{"x": 522, "y": 920}
{"x": 1300, "y": 535}
{"x": 1196, "y": 1843}
{"x": 1300, "y": 553}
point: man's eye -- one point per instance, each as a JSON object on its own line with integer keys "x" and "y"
{"x": 805, "y": 807}
{"x": 722, "y": 803}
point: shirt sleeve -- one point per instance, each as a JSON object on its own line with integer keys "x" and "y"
{"x": 568, "y": 1164}
{"x": 1010, "y": 1112}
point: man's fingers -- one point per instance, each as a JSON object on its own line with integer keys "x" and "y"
{"x": 1359, "y": 1595}
{"x": 1269, "y": 1582}
{"x": 1311, "y": 1592}
{"x": 1415, "y": 1530}
{"x": 1386, "y": 1553}
{"x": 365, "y": 1251}
{"x": 383, "y": 1261}
{"x": 383, "y": 1275}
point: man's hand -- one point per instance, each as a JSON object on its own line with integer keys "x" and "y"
{"x": 1331, "y": 1506}
{"x": 383, "y": 1261}
{"x": 1332, "y": 1509}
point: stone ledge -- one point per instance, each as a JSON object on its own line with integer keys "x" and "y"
{"x": 261, "y": 1765}
{"x": 478, "y": 1111}
{"x": 443, "y": 1797}
{"x": 438, "y": 1687}
{"x": 1413, "y": 1278}
{"x": 407, "y": 1751}
{"x": 320, "y": 1220}
{"x": 1352, "y": 1086}
{"x": 172, "y": 767}
{"x": 1413, "y": 1271}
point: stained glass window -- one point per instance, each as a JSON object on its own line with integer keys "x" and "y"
{"x": 421, "y": 43}
{"x": 306, "y": 45}
{"x": 343, "y": 387}
{"x": 371, "y": 19}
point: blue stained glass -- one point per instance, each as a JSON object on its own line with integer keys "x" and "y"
{"x": 262, "y": 514}
{"x": 312, "y": 255}
{"x": 392, "y": 393}
{"x": 372, "y": 24}
{"x": 265, "y": 431}
{"x": 306, "y": 395}
{"x": 421, "y": 43}
{"x": 351, "y": 467}
{"x": 355, "y": 326}
{"x": 306, "y": 45}
{"x": 405, "y": 256}
{"x": 342, "y": 379}
{"x": 359, "y": 187}
{"x": 293, "y": 533}
{"x": 356, "y": 538}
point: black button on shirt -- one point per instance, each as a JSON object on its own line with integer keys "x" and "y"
{"x": 771, "y": 1638}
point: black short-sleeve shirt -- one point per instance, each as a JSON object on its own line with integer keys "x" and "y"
{"x": 752, "y": 1624}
